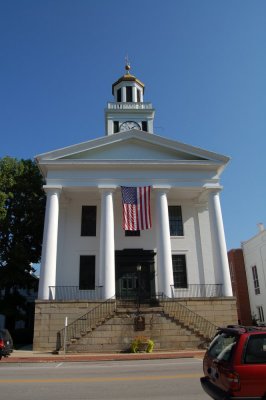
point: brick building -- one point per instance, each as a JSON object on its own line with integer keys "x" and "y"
{"x": 239, "y": 285}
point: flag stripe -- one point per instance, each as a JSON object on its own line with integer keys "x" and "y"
{"x": 140, "y": 206}
{"x": 136, "y": 208}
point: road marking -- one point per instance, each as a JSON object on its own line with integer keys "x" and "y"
{"x": 102, "y": 379}
{"x": 59, "y": 365}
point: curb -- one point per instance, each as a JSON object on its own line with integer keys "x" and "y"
{"x": 100, "y": 357}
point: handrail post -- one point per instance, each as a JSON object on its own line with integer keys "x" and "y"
{"x": 65, "y": 335}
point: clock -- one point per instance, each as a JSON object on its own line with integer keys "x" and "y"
{"x": 128, "y": 125}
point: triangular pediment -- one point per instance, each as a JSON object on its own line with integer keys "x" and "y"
{"x": 133, "y": 149}
{"x": 131, "y": 146}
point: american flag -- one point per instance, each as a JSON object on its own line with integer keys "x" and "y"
{"x": 136, "y": 208}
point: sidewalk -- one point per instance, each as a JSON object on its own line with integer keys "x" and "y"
{"x": 29, "y": 356}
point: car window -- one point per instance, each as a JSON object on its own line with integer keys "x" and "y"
{"x": 222, "y": 346}
{"x": 227, "y": 352}
{"x": 256, "y": 350}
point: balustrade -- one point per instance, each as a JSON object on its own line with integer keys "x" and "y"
{"x": 129, "y": 106}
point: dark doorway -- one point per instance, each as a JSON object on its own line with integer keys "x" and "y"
{"x": 131, "y": 282}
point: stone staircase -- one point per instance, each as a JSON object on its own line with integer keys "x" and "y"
{"x": 189, "y": 319}
{"x": 115, "y": 331}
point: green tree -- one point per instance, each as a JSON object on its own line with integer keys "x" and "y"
{"x": 22, "y": 206}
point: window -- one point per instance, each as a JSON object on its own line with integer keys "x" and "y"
{"x": 116, "y": 126}
{"x": 118, "y": 95}
{"x": 179, "y": 270}
{"x": 255, "y": 279}
{"x": 88, "y": 221}
{"x": 175, "y": 221}
{"x": 222, "y": 346}
{"x": 132, "y": 233}
{"x": 87, "y": 273}
{"x": 145, "y": 126}
{"x": 129, "y": 93}
{"x": 261, "y": 314}
{"x": 256, "y": 350}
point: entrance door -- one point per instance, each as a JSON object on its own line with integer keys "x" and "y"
{"x": 132, "y": 283}
{"x": 128, "y": 285}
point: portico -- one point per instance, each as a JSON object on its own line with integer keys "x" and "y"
{"x": 109, "y": 201}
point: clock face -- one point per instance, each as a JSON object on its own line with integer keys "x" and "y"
{"x": 128, "y": 125}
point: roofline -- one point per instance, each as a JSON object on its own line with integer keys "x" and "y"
{"x": 141, "y": 135}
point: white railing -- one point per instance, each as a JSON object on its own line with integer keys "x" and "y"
{"x": 129, "y": 106}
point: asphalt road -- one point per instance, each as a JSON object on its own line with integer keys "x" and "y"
{"x": 112, "y": 380}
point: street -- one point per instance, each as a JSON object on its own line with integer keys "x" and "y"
{"x": 125, "y": 380}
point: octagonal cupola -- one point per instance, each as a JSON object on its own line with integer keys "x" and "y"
{"x": 128, "y": 111}
{"x": 128, "y": 88}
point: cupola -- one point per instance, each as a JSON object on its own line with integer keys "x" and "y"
{"x": 128, "y": 88}
{"x": 128, "y": 111}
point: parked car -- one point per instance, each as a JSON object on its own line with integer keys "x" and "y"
{"x": 235, "y": 364}
{"x": 6, "y": 343}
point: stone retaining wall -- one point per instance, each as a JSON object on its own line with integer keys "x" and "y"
{"x": 50, "y": 316}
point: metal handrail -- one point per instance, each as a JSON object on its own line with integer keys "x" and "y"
{"x": 68, "y": 293}
{"x": 198, "y": 290}
{"x": 189, "y": 318}
{"x": 86, "y": 323}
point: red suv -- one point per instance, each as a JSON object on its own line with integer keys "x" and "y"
{"x": 235, "y": 364}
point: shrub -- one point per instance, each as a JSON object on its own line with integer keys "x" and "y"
{"x": 141, "y": 343}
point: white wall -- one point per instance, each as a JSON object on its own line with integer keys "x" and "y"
{"x": 254, "y": 251}
{"x": 195, "y": 244}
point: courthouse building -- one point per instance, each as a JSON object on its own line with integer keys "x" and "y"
{"x": 90, "y": 253}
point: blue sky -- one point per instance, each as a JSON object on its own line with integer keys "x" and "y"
{"x": 203, "y": 63}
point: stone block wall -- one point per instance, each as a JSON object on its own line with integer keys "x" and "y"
{"x": 50, "y": 318}
{"x": 219, "y": 311}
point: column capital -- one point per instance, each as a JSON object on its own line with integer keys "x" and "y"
{"x": 107, "y": 188}
{"x": 207, "y": 191}
{"x": 214, "y": 189}
{"x": 161, "y": 189}
{"x": 52, "y": 188}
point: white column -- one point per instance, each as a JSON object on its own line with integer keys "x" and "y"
{"x": 218, "y": 241}
{"x": 49, "y": 247}
{"x": 134, "y": 94}
{"x": 107, "y": 245}
{"x": 124, "y": 94}
{"x": 164, "y": 254}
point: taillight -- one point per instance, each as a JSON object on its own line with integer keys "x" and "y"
{"x": 2, "y": 345}
{"x": 233, "y": 379}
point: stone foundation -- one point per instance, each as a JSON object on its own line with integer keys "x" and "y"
{"x": 50, "y": 317}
